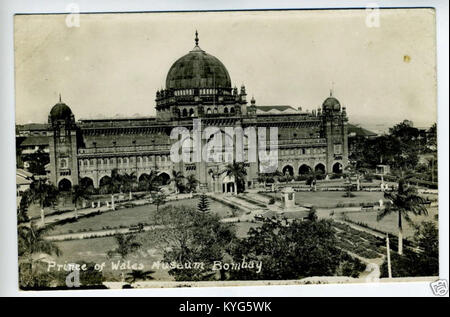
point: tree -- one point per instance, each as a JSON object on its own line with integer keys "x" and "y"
{"x": 148, "y": 182}
{"x": 178, "y": 179}
{"x": 431, "y": 141}
{"x": 37, "y": 162}
{"x": 292, "y": 250}
{"x": 312, "y": 214}
{"x": 126, "y": 245}
{"x": 421, "y": 261}
{"x": 128, "y": 182}
{"x": 22, "y": 209}
{"x": 313, "y": 176}
{"x": 112, "y": 184}
{"x": 191, "y": 183}
{"x": 203, "y": 204}
{"x": 32, "y": 242}
{"x": 237, "y": 171}
{"x": 403, "y": 202}
{"x": 79, "y": 193}
{"x": 426, "y": 237}
{"x": 194, "y": 238}
{"x": 399, "y": 148}
{"x": 159, "y": 199}
{"x": 139, "y": 275}
{"x": 42, "y": 193}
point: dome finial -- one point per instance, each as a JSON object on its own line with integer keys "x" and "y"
{"x": 196, "y": 38}
{"x": 59, "y": 97}
{"x": 331, "y": 89}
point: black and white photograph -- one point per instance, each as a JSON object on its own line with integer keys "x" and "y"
{"x": 226, "y": 149}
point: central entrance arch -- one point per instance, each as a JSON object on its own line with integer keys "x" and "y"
{"x": 64, "y": 185}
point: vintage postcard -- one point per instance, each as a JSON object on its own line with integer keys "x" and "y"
{"x": 226, "y": 148}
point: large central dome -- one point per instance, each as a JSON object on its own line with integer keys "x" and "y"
{"x": 197, "y": 69}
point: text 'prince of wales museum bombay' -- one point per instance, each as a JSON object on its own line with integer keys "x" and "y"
{"x": 198, "y": 86}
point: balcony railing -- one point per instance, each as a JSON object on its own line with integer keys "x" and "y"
{"x": 124, "y": 149}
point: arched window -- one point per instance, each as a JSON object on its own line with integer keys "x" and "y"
{"x": 63, "y": 163}
{"x": 208, "y": 111}
{"x": 185, "y": 112}
{"x": 191, "y": 112}
{"x": 225, "y": 110}
{"x": 232, "y": 110}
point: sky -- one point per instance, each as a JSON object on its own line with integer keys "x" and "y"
{"x": 113, "y": 64}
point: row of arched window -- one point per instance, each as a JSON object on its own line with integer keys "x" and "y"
{"x": 191, "y": 112}
{"x": 303, "y": 151}
{"x": 226, "y": 110}
{"x": 203, "y": 91}
{"x": 124, "y": 161}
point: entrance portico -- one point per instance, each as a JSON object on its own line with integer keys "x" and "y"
{"x": 229, "y": 185}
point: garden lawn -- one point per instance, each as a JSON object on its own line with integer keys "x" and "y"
{"x": 95, "y": 250}
{"x": 131, "y": 216}
{"x": 331, "y": 199}
{"x": 389, "y": 223}
{"x": 243, "y": 227}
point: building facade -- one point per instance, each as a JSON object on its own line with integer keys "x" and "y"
{"x": 198, "y": 86}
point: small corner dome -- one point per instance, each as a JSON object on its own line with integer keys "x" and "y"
{"x": 60, "y": 111}
{"x": 331, "y": 103}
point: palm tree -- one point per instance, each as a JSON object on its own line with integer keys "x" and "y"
{"x": 403, "y": 202}
{"x": 355, "y": 170}
{"x": 263, "y": 178}
{"x": 113, "y": 184}
{"x": 149, "y": 181}
{"x": 312, "y": 179}
{"x": 128, "y": 182}
{"x": 31, "y": 241}
{"x": 126, "y": 245}
{"x": 177, "y": 179}
{"x": 191, "y": 183}
{"x": 238, "y": 172}
{"x": 43, "y": 194}
{"x": 136, "y": 275}
{"x": 159, "y": 199}
{"x": 277, "y": 174}
{"x": 79, "y": 193}
{"x": 22, "y": 209}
